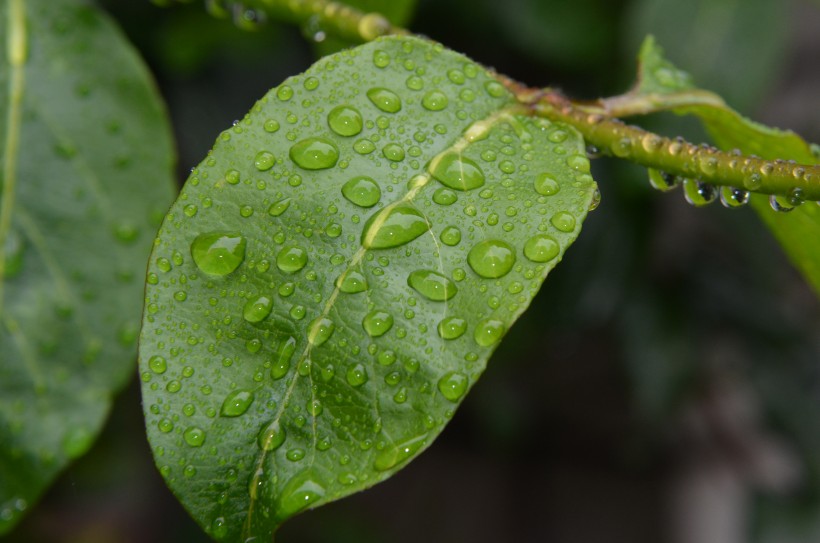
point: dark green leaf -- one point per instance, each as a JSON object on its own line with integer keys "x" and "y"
{"x": 86, "y": 177}
{"x": 336, "y": 273}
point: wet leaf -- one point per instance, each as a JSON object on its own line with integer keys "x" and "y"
{"x": 86, "y": 177}
{"x": 363, "y": 239}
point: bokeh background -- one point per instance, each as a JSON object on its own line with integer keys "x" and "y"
{"x": 664, "y": 386}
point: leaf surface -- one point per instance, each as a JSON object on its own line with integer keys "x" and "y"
{"x": 86, "y": 176}
{"x": 336, "y": 274}
{"x": 798, "y": 231}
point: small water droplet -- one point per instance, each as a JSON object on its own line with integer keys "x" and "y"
{"x": 392, "y": 456}
{"x": 386, "y": 100}
{"x": 219, "y": 528}
{"x": 364, "y": 146}
{"x": 541, "y": 248}
{"x": 451, "y": 236}
{"x": 319, "y": 330}
{"x": 456, "y": 172}
{"x": 157, "y": 364}
{"x": 662, "y": 181}
{"x": 452, "y": 327}
{"x": 218, "y": 253}
{"x": 434, "y": 100}
{"x": 444, "y": 197}
{"x": 356, "y": 375}
{"x": 271, "y": 436}
{"x": 377, "y": 323}
{"x": 698, "y": 193}
{"x": 279, "y": 207}
{"x": 432, "y": 285}
{"x": 299, "y": 493}
{"x": 453, "y": 385}
{"x": 345, "y": 120}
{"x": 351, "y": 282}
{"x": 733, "y": 198}
{"x": 76, "y": 441}
{"x": 393, "y": 152}
{"x": 491, "y": 258}
{"x": 781, "y": 203}
{"x": 194, "y": 436}
{"x": 284, "y": 93}
{"x": 381, "y": 59}
{"x": 393, "y": 226}
{"x": 546, "y": 184}
{"x": 291, "y": 259}
{"x": 236, "y": 403}
{"x": 257, "y": 309}
{"x": 264, "y": 161}
{"x": 281, "y": 364}
{"x": 362, "y": 191}
{"x": 563, "y": 221}
{"x": 489, "y": 332}
{"x": 314, "y": 154}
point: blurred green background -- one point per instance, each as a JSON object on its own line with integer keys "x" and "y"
{"x": 663, "y": 387}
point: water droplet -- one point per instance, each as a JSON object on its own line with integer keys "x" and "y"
{"x": 444, "y": 197}
{"x": 258, "y": 309}
{"x": 219, "y": 528}
{"x": 377, "y": 323}
{"x": 281, "y": 364}
{"x": 432, "y": 285}
{"x": 386, "y": 100}
{"x": 356, "y": 375}
{"x": 218, "y": 253}
{"x": 451, "y": 236}
{"x": 194, "y": 436}
{"x": 393, "y": 152}
{"x": 541, "y": 248}
{"x": 491, "y": 258}
{"x": 579, "y": 163}
{"x": 364, "y": 146}
{"x": 662, "y": 181}
{"x": 300, "y": 492}
{"x": 157, "y": 364}
{"x": 732, "y": 197}
{"x": 351, "y": 282}
{"x": 489, "y": 332}
{"x": 271, "y": 126}
{"x": 319, "y": 330}
{"x": 345, "y": 121}
{"x": 279, "y": 207}
{"x": 391, "y": 457}
{"x": 699, "y": 194}
{"x": 381, "y": 59}
{"x": 264, "y": 161}
{"x": 452, "y": 327}
{"x": 76, "y": 441}
{"x": 291, "y": 259}
{"x": 284, "y": 93}
{"x": 362, "y": 191}
{"x": 434, "y": 100}
{"x": 780, "y": 203}
{"x": 563, "y": 221}
{"x": 271, "y": 436}
{"x": 546, "y": 184}
{"x": 236, "y": 403}
{"x": 457, "y": 172}
{"x": 453, "y": 385}
{"x": 494, "y": 89}
{"x": 314, "y": 154}
{"x": 393, "y": 226}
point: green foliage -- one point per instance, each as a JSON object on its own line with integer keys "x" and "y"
{"x": 335, "y": 275}
{"x": 86, "y": 178}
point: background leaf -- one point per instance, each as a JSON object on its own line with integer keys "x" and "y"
{"x": 336, "y": 273}
{"x": 87, "y": 161}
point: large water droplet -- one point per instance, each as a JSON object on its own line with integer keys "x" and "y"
{"x": 434, "y": 100}
{"x": 194, "y": 436}
{"x": 236, "y": 403}
{"x": 541, "y": 248}
{"x": 432, "y": 285}
{"x": 300, "y": 492}
{"x": 351, "y": 282}
{"x": 271, "y": 436}
{"x": 489, "y": 332}
{"x": 291, "y": 259}
{"x": 491, "y": 258}
{"x": 698, "y": 193}
{"x": 356, "y": 375}
{"x": 662, "y": 181}
{"x": 452, "y": 327}
{"x": 314, "y": 154}
{"x": 281, "y": 365}
{"x": 377, "y": 323}
{"x": 456, "y": 171}
{"x": 394, "y": 226}
{"x": 362, "y": 191}
{"x": 257, "y": 309}
{"x": 453, "y": 385}
{"x": 157, "y": 364}
{"x": 345, "y": 121}
{"x": 319, "y": 330}
{"x": 218, "y": 253}
{"x": 386, "y": 100}
{"x": 391, "y": 457}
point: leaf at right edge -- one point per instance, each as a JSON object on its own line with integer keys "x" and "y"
{"x": 93, "y": 176}
{"x": 798, "y": 231}
{"x": 355, "y": 408}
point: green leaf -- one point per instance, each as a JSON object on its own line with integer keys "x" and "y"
{"x": 798, "y": 230}
{"x": 336, "y": 273}
{"x": 86, "y": 176}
